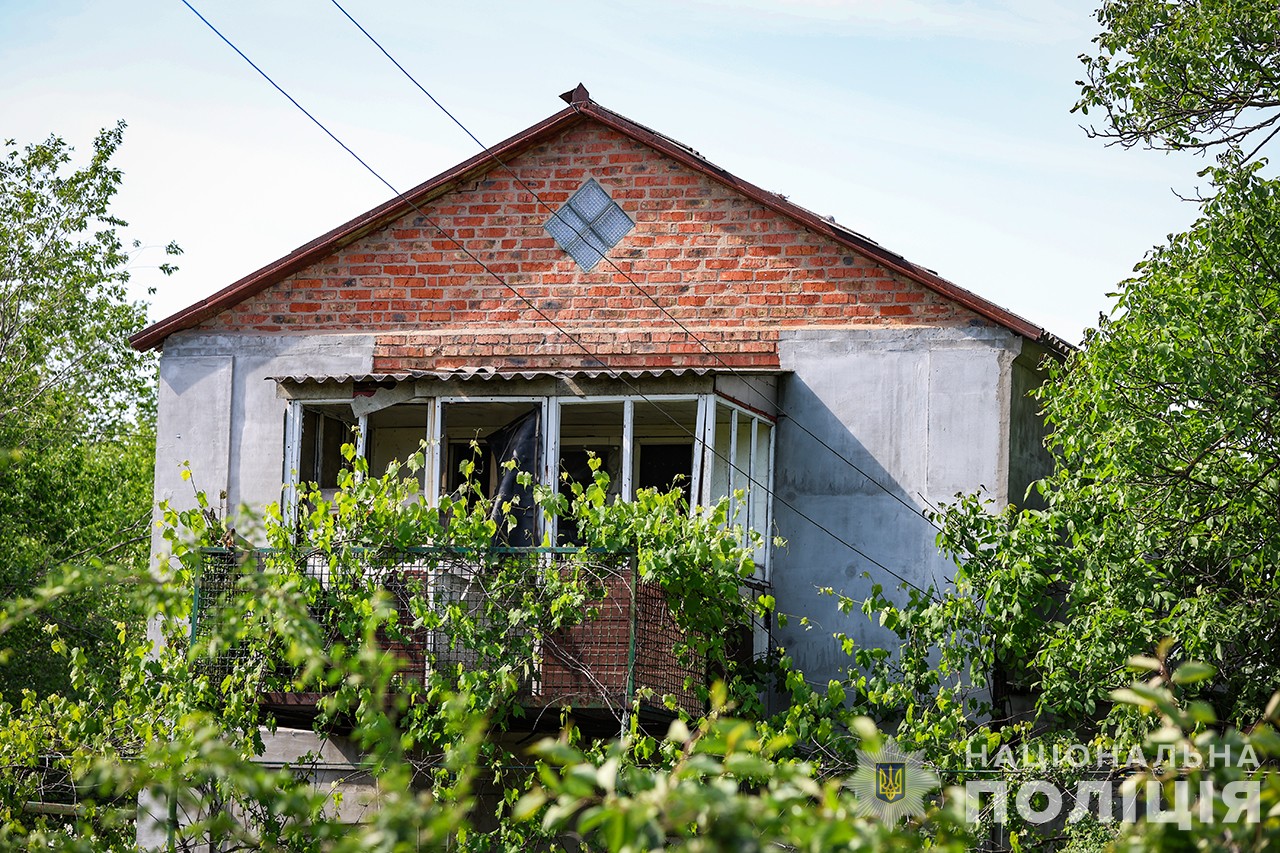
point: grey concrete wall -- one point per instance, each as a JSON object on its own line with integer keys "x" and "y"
{"x": 219, "y": 414}
{"x": 219, "y": 411}
{"x": 923, "y": 412}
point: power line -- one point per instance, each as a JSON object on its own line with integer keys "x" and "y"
{"x": 532, "y": 306}
{"x": 461, "y": 247}
{"x": 687, "y": 331}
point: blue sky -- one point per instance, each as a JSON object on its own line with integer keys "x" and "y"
{"x": 940, "y": 129}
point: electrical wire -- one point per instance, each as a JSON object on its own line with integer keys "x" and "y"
{"x": 400, "y": 196}
{"x": 777, "y": 407}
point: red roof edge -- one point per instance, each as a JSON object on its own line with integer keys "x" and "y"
{"x": 323, "y": 245}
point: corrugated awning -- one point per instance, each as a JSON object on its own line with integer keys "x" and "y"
{"x": 485, "y": 374}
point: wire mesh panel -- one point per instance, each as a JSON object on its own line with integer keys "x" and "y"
{"x": 626, "y": 640}
{"x": 591, "y": 663}
{"x": 658, "y": 666}
{"x": 407, "y": 578}
{"x": 215, "y": 596}
{"x": 467, "y": 586}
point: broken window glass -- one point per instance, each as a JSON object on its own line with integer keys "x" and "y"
{"x": 325, "y": 428}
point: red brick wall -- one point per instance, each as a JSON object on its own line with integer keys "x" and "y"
{"x": 730, "y": 269}
{"x": 587, "y": 664}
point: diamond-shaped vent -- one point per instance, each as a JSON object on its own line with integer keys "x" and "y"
{"x": 589, "y": 224}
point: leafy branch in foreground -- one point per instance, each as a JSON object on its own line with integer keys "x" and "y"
{"x": 176, "y": 736}
{"x": 725, "y": 786}
{"x": 1185, "y": 75}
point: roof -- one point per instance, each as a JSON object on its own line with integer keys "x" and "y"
{"x": 580, "y": 108}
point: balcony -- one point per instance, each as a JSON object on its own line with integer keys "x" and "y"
{"x": 624, "y": 643}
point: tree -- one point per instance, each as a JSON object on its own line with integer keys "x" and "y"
{"x": 1158, "y": 528}
{"x": 1159, "y": 520}
{"x": 1185, "y": 75}
{"x": 76, "y": 402}
{"x": 65, "y": 316}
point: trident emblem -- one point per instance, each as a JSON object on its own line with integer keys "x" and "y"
{"x": 891, "y": 781}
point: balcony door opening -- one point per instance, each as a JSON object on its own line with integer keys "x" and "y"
{"x": 486, "y": 446}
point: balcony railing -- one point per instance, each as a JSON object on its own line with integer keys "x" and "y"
{"x": 625, "y": 643}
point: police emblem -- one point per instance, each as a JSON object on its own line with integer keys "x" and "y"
{"x": 890, "y": 783}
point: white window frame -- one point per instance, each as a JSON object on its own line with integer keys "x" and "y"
{"x": 293, "y": 449}
{"x": 628, "y": 401}
{"x": 729, "y": 458}
{"x": 704, "y": 461}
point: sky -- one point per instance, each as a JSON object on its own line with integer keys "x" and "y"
{"x": 941, "y": 130}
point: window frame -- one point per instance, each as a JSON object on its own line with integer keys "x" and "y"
{"x": 293, "y": 448}
{"x": 703, "y": 462}
{"x": 710, "y": 457}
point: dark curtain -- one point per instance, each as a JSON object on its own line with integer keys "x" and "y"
{"x": 520, "y": 441}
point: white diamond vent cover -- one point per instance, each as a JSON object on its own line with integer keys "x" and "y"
{"x": 589, "y": 224}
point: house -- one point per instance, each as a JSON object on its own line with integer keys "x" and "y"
{"x": 590, "y": 284}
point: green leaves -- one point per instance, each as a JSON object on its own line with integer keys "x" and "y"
{"x": 1186, "y": 748}
{"x": 1159, "y": 520}
{"x": 76, "y": 402}
{"x": 1189, "y": 74}
{"x": 724, "y": 789}
{"x": 1193, "y": 672}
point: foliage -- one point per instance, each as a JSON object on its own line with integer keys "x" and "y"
{"x": 67, "y": 503}
{"x": 1159, "y": 519}
{"x": 181, "y": 725}
{"x": 76, "y": 402}
{"x": 1210, "y": 759}
{"x": 723, "y": 787}
{"x": 65, "y": 316}
{"x": 1189, "y": 74}
{"x": 178, "y": 735}
{"x": 1157, "y": 522}
{"x": 166, "y": 741}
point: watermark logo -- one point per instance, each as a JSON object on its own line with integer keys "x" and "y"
{"x": 890, "y": 783}
{"x": 1156, "y": 789}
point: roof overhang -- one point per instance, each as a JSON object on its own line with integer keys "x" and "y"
{"x": 755, "y": 389}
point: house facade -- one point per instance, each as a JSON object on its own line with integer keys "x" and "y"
{"x": 590, "y": 285}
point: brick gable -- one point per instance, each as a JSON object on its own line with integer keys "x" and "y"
{"x": 730, "y": 269}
